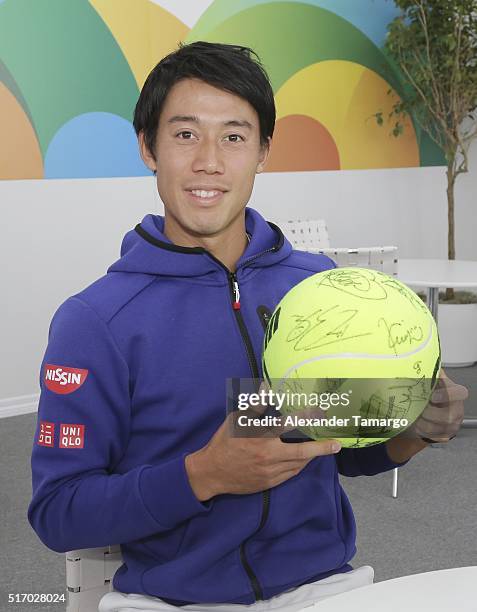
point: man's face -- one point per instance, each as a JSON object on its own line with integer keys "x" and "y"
{"x": 207, "y": 154}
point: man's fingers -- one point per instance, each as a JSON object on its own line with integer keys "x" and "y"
{"x": 440, "y": 420}
{"x": 443, "y": 413}
{"x": 304, "y": 414}
{"x": 306, "y": 450}
{"x": 446, "y": 390}
{"x": 433, "y": 431}
{"x": 443, "y": 374}
{"x": 262, "y": 406}
{"x": 450, "y": 393}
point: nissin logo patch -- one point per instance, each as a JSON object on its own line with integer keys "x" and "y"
{"x": 61, "y": 379}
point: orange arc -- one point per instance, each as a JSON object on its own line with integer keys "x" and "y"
{"x": 20, "y": 153}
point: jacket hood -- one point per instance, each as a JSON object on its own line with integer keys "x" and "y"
{"x": 146, "y": 250}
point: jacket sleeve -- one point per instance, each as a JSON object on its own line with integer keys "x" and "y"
{"x": 82, "y": 432}
{"x": 366, "y": 461}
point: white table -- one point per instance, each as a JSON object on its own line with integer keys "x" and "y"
{"x": 437, "y": 274}
{"x": 442, "y": 591}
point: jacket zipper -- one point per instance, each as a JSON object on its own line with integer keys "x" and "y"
{"x": 251, "y": 358}
{"x": 235, "y": 294}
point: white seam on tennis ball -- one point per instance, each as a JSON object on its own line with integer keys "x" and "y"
{"x": 358, "y": 355}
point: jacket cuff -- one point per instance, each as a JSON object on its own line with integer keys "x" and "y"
{"x": 167, "y": 494}
{"x": 375, "y": 459}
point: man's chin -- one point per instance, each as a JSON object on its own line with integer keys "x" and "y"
{"x": 209, "y": 227}
{"x": 206, "y": 231}
{"x": 206, "y": 224}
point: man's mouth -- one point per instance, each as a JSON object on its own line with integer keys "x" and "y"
{"x": 205, "y": 196}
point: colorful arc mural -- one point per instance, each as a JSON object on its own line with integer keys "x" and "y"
{"x": 66, "y": 106}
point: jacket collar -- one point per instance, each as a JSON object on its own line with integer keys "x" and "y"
{"x": 147, "y": 250}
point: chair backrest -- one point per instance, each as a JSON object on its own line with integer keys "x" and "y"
{"x": 306, "y": 233}
{"x": 89, "y": 576}
{"x": 382, "y": 258}
{"x": 312, "y": 235}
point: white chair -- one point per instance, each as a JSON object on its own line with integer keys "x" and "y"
{"x": 305, "y": 234}
{"x": 382, "y": 258}
{"x": 312, "y": 235}
{"x": 89, "y": 576}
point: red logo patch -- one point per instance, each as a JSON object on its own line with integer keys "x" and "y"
{"x": 46, "y": 435}
{"x": 71, "y": 435}
{"x": 61, "y": 379}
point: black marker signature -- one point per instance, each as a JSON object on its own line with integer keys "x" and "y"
{"x": 322, "y": 327}
{"x": 418, "y": 390}
{"x": 400, "y": 334}
{"x": 358, "y": 283}
{"x": 412, "y": 297}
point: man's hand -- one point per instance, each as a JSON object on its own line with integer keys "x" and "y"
{"x": 443, "y": 415}
{"x": 229, "y": 464}
{"x": 439, "y": 422}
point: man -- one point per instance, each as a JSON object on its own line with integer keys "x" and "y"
{"x": 132, "y": 445}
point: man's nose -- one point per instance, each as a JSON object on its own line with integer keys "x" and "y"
{"x": 208, "y": 157}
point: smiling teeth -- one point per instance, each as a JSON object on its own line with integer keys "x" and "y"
{"x": 205, "y": 194}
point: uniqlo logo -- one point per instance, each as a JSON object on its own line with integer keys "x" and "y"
{"x": 62, "y": 379}
{"x": 46, "y": 436}
{"x": 71, "y": 435}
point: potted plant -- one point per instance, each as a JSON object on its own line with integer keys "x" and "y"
{"x": 434, "y": 45}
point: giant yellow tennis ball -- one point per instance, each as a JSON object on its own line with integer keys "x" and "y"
{"x": 358, "y": 344}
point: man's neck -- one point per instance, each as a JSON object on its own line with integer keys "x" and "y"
{"x": 227, "y": 246}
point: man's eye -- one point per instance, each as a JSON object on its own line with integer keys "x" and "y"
{"x": 235, "y": 137}
{"x": 185, "y": 135}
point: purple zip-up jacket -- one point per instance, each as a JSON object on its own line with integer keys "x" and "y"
{"x": 134, "y": 379}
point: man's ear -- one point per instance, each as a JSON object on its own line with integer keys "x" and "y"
{"x": 145, "y": 153}
{"x": 264, "y": 153}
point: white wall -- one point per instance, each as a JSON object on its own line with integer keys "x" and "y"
{"x": 60, "y": 235}
{"x": 188, "y": 11}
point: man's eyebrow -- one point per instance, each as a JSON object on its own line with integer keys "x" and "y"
{"x": 183, "y": 118}
{"x": 239, "y": 123}
{"x": 194, "y": 119}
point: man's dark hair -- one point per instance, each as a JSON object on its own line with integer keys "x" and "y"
{"x": 231, "y": 68}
